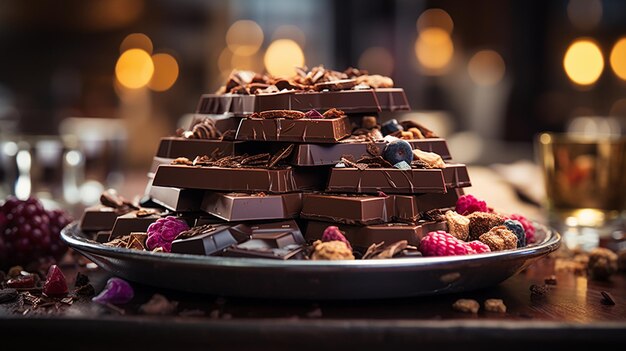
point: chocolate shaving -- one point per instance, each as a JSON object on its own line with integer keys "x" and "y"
{"x": 375, "y": 162}
{"x": 145, "y": 212}
{"x": 203, "y": 160}
{"x": 203, "y": 229}
{"x": 373, "y": 250}
{"x": 419, "y": 164}
{"x": 373, "y": 150}
{"x": 259, "y": 159}
{"x": 110, "y": 198}
{"x": 435, "y": 215}
{"x": 282, "y": 154}
{"x": 229, "y": 135}
{"x": 333, "y": 113}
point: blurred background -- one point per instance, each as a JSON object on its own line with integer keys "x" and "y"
{"x": 87, "y": 88}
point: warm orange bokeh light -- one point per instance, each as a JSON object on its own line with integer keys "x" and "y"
{"x": 136, "y": 41}
{"x": 486, "y": 68}
{"x": 165, "y": 72}
{"x": 618, "y": 58}
{"x": 583, "y": 62}
{"x": 282, "y": 56}
{"x": 134, "y": 68}
{"x": 434, "y": 49}
{"x": 244, "y": 37}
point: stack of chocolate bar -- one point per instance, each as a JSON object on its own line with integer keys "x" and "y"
{"x": 267, "y": 166}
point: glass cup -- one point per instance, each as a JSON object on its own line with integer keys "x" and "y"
{"x": 585, "y": 183}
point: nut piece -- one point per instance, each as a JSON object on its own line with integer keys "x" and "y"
{"x": 458, "y": 225}
{"x": 602, "y": 263}
{"x": 331, "y": 250}
{"x": 482, "y": 222}
{"x": 466, "y": 305}
{"x": 495, "y": 305}
{"x": 430, "y": 158}
{"x": 499, "y": 238}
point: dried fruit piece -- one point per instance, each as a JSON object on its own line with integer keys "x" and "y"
{"x": 332, "y": 233}
{"x": 499, "y": 238}
{"x": 458, "y": 225}
{"x": 22, "y": 282}
{"x": 466, "y": 305}
{"x": 467, "y": 204}
{"x": 313, "y": 114}
{"x": 55, "y": 285}
{"x": 440, "y": 243}
{"x": 495, "y": 305}
{"x": 116, "y": 291}
{"x": 432, "y": 159}
{"x": 331, "y": 250}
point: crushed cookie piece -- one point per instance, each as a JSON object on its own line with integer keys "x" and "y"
{"x": 458, "y": 225}
{"x": 331, "y": 250}
{"x": 495, "y": 305}
{"x": 482, "y": 222}
{"x": 466, "y": 305}
{"x": 499, "y": 238}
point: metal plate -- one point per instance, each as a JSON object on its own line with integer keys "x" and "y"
{"x": 357, "y": 279}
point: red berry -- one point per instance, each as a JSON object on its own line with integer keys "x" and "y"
{"x": 440, "y": 243}
{"x": 332, "y": 233}
{"x": 467, "y": 204}
{"x": 22, "y": 282}
{"x": 479, "y": 246}
{"x": 55, "y": 285}
{"x": 28, "y": 232}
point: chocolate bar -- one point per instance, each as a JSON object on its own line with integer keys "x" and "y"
{"x": 366, "y": 210}
{"x": 396, "y": 181}
{"x": 175, "y": 199}
{"x": 210, "y": 239}
{"x": 281, "y": 180}
{"x": 247, "y": 207}
{"x": 294, "y": 130}
{"x": 388, "y": 180}
{"x": 173, "y": 147}
{"x": 323, "y": 155}
{"x": 361, "y": 237}
{"x": 98, "y": 218}
{"x": 130, "y": 222}
{"x": 349, "y": 101}
{"x": 277, "y": 240}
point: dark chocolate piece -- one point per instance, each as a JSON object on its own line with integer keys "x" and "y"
{"x": 130, "y": 222}
{"x": 348, "y": 209}
{"x": 236, "y": 179}
{"x": 349, "y": 101}
{"x": 275, "y": 240}
{"x": 456, "y": 176}
{"x": 366, "y": 210}
{"x": 322, "y": 155}
{"x": 294, "y": 130}
{"x": 98, "y": 217}
{"x": 248, "y": 207}
{"x": 173, "y": 147}
{"x": 388, "y": 180}
{"x": 361, "y": 237}
{"x": 175, "y": 199}
{"x": 210, "y": 239}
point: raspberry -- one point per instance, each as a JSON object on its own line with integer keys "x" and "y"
{"x": 479, "y": 246}
{"x": 440, "y": 243}
{"x": 332, "y": 233}
{"x": 28, "y": 232}
{"x": 529, "y": 227}
{"x": 467, "y": 204}
{"x": 162, "y": 232}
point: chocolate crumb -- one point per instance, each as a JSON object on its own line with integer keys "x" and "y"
{"x": 551, "y": 280}
{"x": 607, "y": 298}
{"x": 538, "y": 290}
{"x": 8, "y": 295}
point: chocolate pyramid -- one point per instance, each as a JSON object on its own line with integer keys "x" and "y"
{"x": 268, "y": 165}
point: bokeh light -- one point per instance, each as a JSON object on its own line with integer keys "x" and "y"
{"x": 282, "y": 56}
{"x": 583, "y": 62}
{"x": 584, "y": 14}
{"x": 618, "y": 58}
{"x": 134, "y": 68}
{"x": 165, "y": 72}
{"x": 486, "y": 68}
{"x": 435, "y": 18}
{"x": 136, "y": 41}
{"x": 377, "y": 60}
{"x": 434, "y": 50}
{"x": 244, "y": 37}
{"x": 292, "y": 32}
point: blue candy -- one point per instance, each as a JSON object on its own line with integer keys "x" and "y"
{"x": 390, "y": 127}
{"x": 518, "y": 229}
